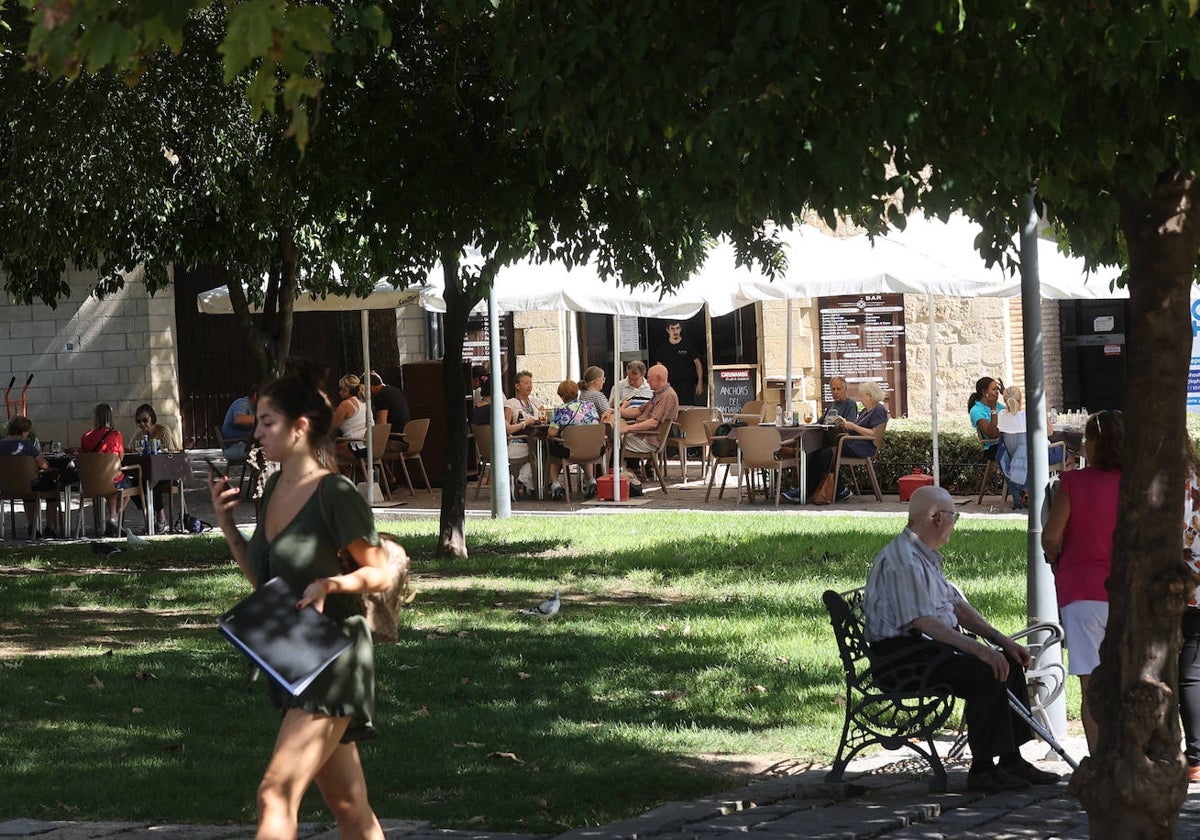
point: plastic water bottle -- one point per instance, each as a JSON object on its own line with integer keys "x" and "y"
{"x": 779, "y": 416}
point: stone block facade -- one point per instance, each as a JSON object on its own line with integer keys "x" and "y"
{"x": 119, "y": 350}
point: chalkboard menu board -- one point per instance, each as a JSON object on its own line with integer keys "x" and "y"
{"x": 862, "y": 339}
{"x": 733, "y": 387}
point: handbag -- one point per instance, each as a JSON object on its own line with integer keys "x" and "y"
{"x": 825, "y": 491}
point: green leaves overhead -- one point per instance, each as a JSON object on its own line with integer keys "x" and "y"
{"x": 284, "y": 44}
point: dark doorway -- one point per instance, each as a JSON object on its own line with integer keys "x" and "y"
{"x": 1094, "y": 353}
{"x": 216, "y": 364}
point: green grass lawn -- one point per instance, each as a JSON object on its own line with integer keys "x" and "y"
{"x": 684, "y": 642}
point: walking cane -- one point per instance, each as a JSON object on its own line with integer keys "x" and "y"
{"x": 1042, "y": 732}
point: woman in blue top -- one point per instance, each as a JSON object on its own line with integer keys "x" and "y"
{"x": 573, "y": 412}
{"x": 982, "y": 407}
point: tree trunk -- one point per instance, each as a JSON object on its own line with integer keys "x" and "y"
{"x": 452, "y": 539}
{"x": 1135, "y": 782}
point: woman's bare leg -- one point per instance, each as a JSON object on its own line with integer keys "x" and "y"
{"x": 303, "y": 745}
{"x": 344, "y": 789}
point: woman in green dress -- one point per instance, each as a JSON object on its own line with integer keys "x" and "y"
{"x": 307, "y": 512}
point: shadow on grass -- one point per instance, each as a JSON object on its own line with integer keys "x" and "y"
{"x": 711, "y": 643}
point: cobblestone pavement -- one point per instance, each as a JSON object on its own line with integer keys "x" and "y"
{"x": 884, "y": 796}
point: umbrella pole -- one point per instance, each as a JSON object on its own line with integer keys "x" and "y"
{"x": 501, "y": 479}
{"x": 787, "y": 385}
{"x": 364, "y": 321}
{"x": 616, "y": 473}
{"x": 1039, "y": 578}
{"x": 933, "y": 403}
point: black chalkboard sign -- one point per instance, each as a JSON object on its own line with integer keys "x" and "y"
{"x": 733, "y": 387}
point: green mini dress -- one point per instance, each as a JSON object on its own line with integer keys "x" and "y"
{"x": 305, "y": 550}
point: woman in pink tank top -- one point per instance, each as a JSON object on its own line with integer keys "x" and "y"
{"x": 1078, "y": 540}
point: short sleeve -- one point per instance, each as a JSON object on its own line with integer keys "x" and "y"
{"x": 349, "y": 516}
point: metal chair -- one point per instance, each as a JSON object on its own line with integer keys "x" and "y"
{"x": 586, "y": 444}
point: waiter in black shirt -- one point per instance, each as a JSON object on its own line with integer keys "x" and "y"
{"x": 685, "y": 371}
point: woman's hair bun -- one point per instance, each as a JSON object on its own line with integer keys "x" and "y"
{"x": 312, "y": 373}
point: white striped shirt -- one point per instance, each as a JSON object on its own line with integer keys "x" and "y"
{"x": 906, "y": 583}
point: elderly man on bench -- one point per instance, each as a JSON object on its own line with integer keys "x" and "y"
{"x": 913, "y": 613}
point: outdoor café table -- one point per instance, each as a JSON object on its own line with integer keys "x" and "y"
{"x": 808, "y": 439}
{"x": 165, "y": 466}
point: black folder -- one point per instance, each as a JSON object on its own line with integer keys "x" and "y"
{"x": 292, "y": 646}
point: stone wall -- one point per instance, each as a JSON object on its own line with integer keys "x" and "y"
{"x": 120, "y": 350}
{"x": 548, "y": 347}
{"x": 972, "y": 339}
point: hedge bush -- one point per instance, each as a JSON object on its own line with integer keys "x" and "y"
{"x": 960, "y": 461}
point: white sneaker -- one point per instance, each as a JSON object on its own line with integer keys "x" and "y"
{"x": 556, "y": 492}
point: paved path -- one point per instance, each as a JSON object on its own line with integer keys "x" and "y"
{"x": 883, "y": 797}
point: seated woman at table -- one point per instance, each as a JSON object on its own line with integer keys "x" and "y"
{"x": 104, "y": 437}
{"x": 591, "y": 389}
{"x": 350, "y": 418}
{"x": 862, "y": 431}
{"x": 981, "y": 405}
{"x": 148, "y": 425}
{"x": 575, "y": 411}
{"x": 18, "y": 443}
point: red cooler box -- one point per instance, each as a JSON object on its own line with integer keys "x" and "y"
{"x": 604, "y": 488}
{"x": 909, "y": 483}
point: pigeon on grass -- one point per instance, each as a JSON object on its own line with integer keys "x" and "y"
{"x": 134, "y": 540}
{"x": 105, "y": 549}
{"x": 546, "y": 609}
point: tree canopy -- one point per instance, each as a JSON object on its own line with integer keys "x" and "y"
{"x": 642, "y": 130}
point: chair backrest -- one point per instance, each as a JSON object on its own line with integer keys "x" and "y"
{"x": 754, "y": 408}
{"x": 725, "y": 450}
{"x": 849, "y": 628}
{"x": 759, "y": 445}
{"x": 16, "y": 472}
{"x": 585, "y": 442}
{"x": 379, "y": 439}
{"x": 414, "y": 434}
{"x": 97, "y": 471}
{"x": 483, "y": 441}
{"x": 691, "y": 422}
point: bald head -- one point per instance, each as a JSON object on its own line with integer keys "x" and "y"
{"x": 925, "y": 500}
{"x": 657, "y": 377}
{"x": 931, "y": 516}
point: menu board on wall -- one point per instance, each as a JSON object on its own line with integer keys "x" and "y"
{"x": 733, "y": 387}
{"x": 862, "y": 339}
